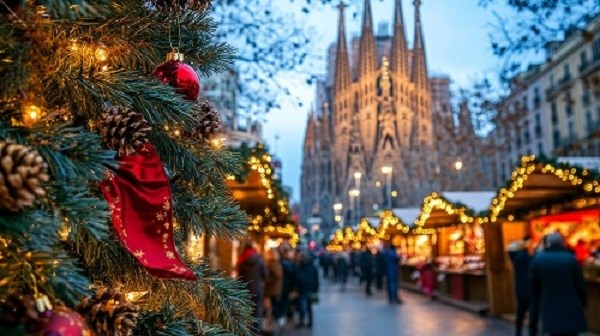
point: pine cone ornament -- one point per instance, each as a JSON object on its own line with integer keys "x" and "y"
{"x": 123, "y": 129}
{"x": 209, "y": 123}
{"x": 109, "y": 313}
{"x": 22, "y": 171}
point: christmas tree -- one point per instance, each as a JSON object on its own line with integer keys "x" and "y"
{"x": 107, "y": 165}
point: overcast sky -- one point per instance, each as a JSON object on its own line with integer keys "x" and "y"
{"x": 457, "y": 44}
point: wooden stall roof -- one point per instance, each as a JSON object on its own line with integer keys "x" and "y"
{"x": 536, "y": 182}
{"x": 390, "y": 224}
{"x": 438, "y": 210}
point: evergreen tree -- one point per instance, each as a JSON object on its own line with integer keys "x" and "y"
{"x": 63, "y": 62}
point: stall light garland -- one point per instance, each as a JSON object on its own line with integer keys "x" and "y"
{"x": 275, "y": 219}
{"x": 435, "y": 201}
{"x": 365, "y": 231}
{"x": 390, "y": 220}
{"x": 576, "y": 176}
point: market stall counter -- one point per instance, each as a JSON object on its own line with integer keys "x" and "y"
{"x": 457, "y": 246}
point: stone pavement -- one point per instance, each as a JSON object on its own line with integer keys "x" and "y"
{"x": 352, "y": 313}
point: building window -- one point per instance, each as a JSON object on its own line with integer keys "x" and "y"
{"x": 588, "y": 121}
{"x": 583, "y": 58}
{"x": 524, "y": 102}
{"x": 556, "y": 137}
{"x": 554, "y": 113}
{"x": 567, "y": 71}
{"x": 526, "y": 132}
{"x": 569, "y": 110}
{"x": 538, "y": 126}
{"x": 540, "y": 149}
{"x": 596, "y": 49}
{"x": 571, "y": 129}
{"x": 536, "y": 97}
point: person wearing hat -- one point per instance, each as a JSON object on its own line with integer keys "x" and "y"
{"x": 558, "y": 286}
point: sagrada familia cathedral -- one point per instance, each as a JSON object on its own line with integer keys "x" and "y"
{"x": 383, "y": 133}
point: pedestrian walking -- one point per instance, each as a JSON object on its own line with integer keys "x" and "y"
{"x": 392, "y": 274}
{"x": 307, "y": 284}
{"x": 273, "y": 287}
{"x": 289, "y": 277}
{"x": 343, "y": 263}
{"x": 520, "y": 258}
{"x": 366, "y": 268}
{"x": 379, "y": 269}
{"x": 251, "y": 270}
{"x": 559, "y": 293}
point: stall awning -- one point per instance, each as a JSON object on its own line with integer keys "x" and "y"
{"x": 439, "y": 210}
{"x": 535, "y": 183}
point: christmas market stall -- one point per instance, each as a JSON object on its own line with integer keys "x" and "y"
{"x": 449, "y": 223}
{"x": 393, "y": 229}
{"x": 544, "y": 197}
{"x": 260, "y": 195}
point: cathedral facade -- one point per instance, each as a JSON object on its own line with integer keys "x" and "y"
{"x": 380, "y": 125}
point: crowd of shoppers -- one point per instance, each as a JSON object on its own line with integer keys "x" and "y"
{"x": 283, "y": 285}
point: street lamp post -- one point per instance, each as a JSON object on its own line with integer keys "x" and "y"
{"x": 337, "y": 208}
{"x": 458, "y": 165}
{"x": 387, "y": 170}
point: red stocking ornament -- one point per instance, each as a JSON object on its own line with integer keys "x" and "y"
{"x": 140, "y": 201}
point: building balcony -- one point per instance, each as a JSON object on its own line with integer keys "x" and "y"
{"x": 555, "y": 89}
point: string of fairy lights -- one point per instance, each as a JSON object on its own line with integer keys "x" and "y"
{"x": 276, "y": 217}
{"x": 390, "y": 224}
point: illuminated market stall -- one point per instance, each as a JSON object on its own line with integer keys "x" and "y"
{"x": 448, "y": 224}
{"x": 544, "y": 197}
{"x": 261, "y": 196}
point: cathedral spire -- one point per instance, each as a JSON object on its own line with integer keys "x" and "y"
{"x": 325, "y": 125}
{"x": 419, "y": 64}
{"x": 342, "y": 65}
{"x": 367, "y": 52}
{"x": 310, "y": 135}
{"x": 399, "y": 52}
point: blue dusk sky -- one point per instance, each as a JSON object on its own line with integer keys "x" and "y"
{"x": 456, "y": 41}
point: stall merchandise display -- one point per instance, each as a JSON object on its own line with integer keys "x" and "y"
{"x": 418, "y": 250}
{"x": 581, "y": 230}
{"x": 465, "y": 249}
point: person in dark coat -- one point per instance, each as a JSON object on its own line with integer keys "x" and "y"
{"x": 520, "y": 258}
{"x": 288, "y": 280}
{"x": 366, "y": 268}
{"x": 251, "y": 270}
{"x": 559, "y": 293}
{"x": 307, "y": 283}
{"x": 392, "y": 274}
{"x": 379, "y": 269}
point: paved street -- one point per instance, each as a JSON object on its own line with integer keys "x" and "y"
{"x": 352, "y": 313}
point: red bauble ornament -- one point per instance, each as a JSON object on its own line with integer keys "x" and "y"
{"x": 179, "y": 75}
{"x": 62, "y": 321}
